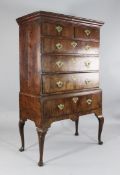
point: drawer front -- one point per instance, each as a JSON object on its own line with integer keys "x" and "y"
{"x": 58, "y": 29}
{"x": 69, "y": 46}
{"x": 86, "y": 32}
{"x": 72, "y": 105}
{"x": 69, "y": 63}
{"x": 69, "y": 82}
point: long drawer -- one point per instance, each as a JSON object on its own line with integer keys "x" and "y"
{"x": 51, "y": 45}
{"x": 72, "y": 105}
{"x": 67, "y": 82}
{"x": 69, "y": 63}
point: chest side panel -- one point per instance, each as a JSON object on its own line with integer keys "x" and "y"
{"x": 30, "y": 58}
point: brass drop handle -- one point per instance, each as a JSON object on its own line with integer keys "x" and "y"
{"x": 87, "y": 32}
{"x": 89, "y": 101}
{"x": 74, "y": 44}
{"x": 59, "y": 46}
{"x": 59, "y": 64}
{"x": 87, "y": 47}
{"x": 59, "y": 84}
{"x": 75, "y": 99}
{"x": 87, "y": 64}
{"x": 87, "y": 82}
{"x": 59, "y": 28}
{"x": 61, "y": 106}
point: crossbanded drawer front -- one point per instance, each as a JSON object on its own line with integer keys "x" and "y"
{"x": 50, "y": 45}
{"x": 69, "y": 82}
{"x": 69, "y": 63}
{"x": 87, "y": 32}
{"x": 58, "y": 29}
{"x": 72, "y": 105}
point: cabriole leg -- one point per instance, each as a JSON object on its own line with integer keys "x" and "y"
{"x": 41, "y": 138}
{"x": 21, "y": 130}
{"x": 100, "y": 128}
{"x": 76, "y": 127}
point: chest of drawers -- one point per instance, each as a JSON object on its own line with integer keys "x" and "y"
{"x": 59, "y": 71}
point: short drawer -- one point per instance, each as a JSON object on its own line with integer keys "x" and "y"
{"x": 69, "y": 63}
{"x": 72, "y": 105}
{"x": 87, "y": 32}
{"x": 58, "y": 29}
{"x": 51, "y": 45}
{"x": 69, "y": 82}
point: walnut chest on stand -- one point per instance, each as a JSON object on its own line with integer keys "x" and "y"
{"x": 59, "y": 71}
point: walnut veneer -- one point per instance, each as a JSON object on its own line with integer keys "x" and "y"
{"x": 59, "y": 71}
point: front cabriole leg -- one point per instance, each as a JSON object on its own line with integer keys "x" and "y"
{"x": 41, "y": 138}
{"x": 100, "y": 128}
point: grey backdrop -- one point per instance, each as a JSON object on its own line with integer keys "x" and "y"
{"x": 105, "y": 10}
{"x": 64, "y": 153}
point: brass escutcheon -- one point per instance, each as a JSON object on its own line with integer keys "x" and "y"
{"x": 59, "y": 29}
{"x": 59, "y": 84}
{"x": 59, "y": 63}
{"x": 61, "y": 106}
{"x": 87, "y": 47}
{"x": 87, "y": 82}
{"x": 89, "y": 101}
{"x": 87, "y": 64}
{"x": 74, "y": 60}
{"x": 87, "y": 32}
{"x": 74, "y": 78}
{"x": 74, "y": 44}
{"x": 59, "y": 46}
{"x": 75, "y": 99}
